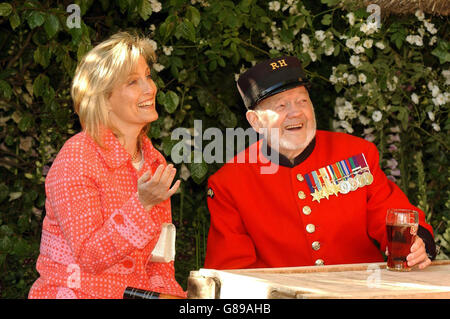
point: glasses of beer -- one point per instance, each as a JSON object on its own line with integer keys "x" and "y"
{"x": 401, "y": 226}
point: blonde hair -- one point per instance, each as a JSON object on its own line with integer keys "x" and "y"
{"x": 103, "y": 67}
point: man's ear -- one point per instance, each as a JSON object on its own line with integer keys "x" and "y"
{"x": 253, "y": 119}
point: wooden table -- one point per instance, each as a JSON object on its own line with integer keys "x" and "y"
{"x": 354, "y": 281}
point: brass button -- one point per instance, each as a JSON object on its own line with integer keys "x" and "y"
{"x": 319, "y": 262}
{"x": 315, "y": 245}
{"x": 310, "y": 228}
{"x": 301, "y": 195}
{"x": 306, "y": 210}
{"x": 300, "y": 177}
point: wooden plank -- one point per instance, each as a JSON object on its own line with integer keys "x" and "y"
{"x": 365, "y": 281}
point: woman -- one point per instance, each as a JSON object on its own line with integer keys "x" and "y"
{"x": 108, "y": 190}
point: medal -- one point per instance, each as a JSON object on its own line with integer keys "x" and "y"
{"x": 340, "y": 177}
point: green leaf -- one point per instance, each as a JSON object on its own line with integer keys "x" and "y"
{"x": 442, "y": 51}
{"x": 193, "y": 15}
{"x": 40, "y": 85}
{"x": 4, "y": 191}
{"x": 186, "y": 30}
{"x": 171, "y": 101}
{"x": 330, "y": 3}
{"x": 51, "y": 25}
{"x": 26, "y": 122}
{"x": 5, "y": 9}
{"x": 6, "y": 89}
{"x": 198, "y": 171}
{"x": 35, "y": 19}
{"x": 326, "y": 20}
{"x": 145, "y": 9}
{"x": 14, "y": 20}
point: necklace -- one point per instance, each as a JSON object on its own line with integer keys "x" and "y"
{"x": 135, "y": 155}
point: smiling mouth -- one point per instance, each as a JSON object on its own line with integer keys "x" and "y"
{"x": 145, "y": 104}
{"x": 294, "y": 127}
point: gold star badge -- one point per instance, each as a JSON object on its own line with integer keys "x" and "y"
{"x": 317, "y": 195}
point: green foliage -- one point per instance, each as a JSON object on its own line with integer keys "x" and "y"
{"x": 363, "y": 83}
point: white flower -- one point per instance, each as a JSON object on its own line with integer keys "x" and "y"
{"x": 433, "y": 40}
{"x": 368, "y": 43}
{"x": 415, "y": 39}
{"x": 446, "y": 75}
{"x": 392, "y": 85}
{"x": 415, "y": 98}
{"x": 364, "y": 120}
{"x": 431, "y": 116}
{"x": 329, "y": 51}
{"x": 359, "y": 49}
{"x": 156, "y": 5}
{"x": 158, "y": 67}
{"x": 419, "y": 14}
{"x": 430, "y": 27}
{"x": 380, "y": 45}
{"x": 305, "y": 40}
{"x": 351, "y": 18}
{"x": 368, "y": 28}
{"x": 352, "y": 79}
{"x": 152, "y": 27}
{"x": 153, "y": 44}
{"x": 167, "y": 50}
{"x": 312, "y": 55}
{"x": 346, "y": 125}
{"x": 351, "y": 43}
{"x": 434, "y": 90}
{"x": 436, "y": 127}
{"x": 333, "y": 79}
{"x": 362, "y": 78}
{"x": 355, "y": 61}
{"x": 439, "y": 100}
{"x": 274, "y": 6}
{"x": 376, "y": 116}
{"x": 320, "y": 35}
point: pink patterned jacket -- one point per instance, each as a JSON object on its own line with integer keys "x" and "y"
{"x": 97, "y": 238}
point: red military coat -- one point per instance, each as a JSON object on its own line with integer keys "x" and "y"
{"x": 271, "y": 220}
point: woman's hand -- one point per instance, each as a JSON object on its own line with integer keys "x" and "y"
{"x": 157, "y": 189}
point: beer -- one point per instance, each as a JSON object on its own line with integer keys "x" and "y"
{"x": 401, "y": 227}
{"x": 400, "y": 240}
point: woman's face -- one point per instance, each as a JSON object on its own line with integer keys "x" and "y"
{"x": 132, "y": 103}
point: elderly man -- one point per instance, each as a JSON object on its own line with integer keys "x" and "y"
{"x": 325, "y": 204}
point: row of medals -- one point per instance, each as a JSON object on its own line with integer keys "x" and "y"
{"x": 343, "y": 186}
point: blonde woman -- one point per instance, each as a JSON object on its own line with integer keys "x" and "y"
{"x": 108, "y": 190}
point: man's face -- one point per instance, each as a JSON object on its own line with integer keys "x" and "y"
{"x": 292, "y": 113}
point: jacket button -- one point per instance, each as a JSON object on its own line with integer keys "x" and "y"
{"x": 315, "y": 245}
{"x": 319, "y": 262}
{"x": 310, "y": 228}
{"x": 306, "y": 210}
{"x": 300, "y": 177}
{"x": 301, "y": 195}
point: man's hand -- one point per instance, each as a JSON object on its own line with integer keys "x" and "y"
{"x": 157, "y": 189}
{"x": 418, "y": 255}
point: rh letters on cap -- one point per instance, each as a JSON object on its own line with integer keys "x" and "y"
{"x": 279, "y": 64}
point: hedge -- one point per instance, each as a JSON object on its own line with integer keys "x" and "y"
{"x": 386, "y": 82}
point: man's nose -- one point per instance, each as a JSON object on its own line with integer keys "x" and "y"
{"x": 294, "y": 109}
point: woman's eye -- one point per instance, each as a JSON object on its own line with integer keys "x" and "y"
{"x": 131, "y": 82}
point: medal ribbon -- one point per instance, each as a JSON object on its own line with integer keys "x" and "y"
{"x": 308, "y": 181}
{"x": 317, "y": 181}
